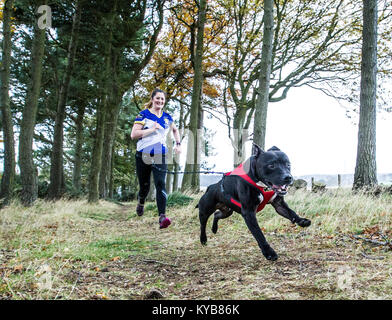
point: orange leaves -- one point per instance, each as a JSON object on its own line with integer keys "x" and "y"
{"x": 210, "y": 90}
{"x": 171, "y": 65}
{"x": 100, "y": 296}
{"x": 115, "y": 258}
{"x": 18, "y": 269}
{"x": 371, "y": 230}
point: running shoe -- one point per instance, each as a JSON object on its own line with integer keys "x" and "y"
{"x": 163, "y": 221}
{"x": 139, "y": 209}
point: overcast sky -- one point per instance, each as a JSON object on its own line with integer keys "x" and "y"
{"x": 314, "y": 131}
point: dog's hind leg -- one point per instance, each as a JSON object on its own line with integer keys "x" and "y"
{"x": 220, "y": 214}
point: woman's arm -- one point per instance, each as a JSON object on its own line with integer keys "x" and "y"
{"x": 176, "y": 133}
{"x": 138, "y": 132}
{"x": 177, "y": 138}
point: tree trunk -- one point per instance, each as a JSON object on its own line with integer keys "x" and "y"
{"x": 366, "y": 169}
{"x": 78, "y": 149}
{"x": 111, "y": 178}
{"x": 260, "y": 121}
{"x": 96, "y": 160}
{"x": 57, "y": 185}
{"x": 240, "y": 135}
{"x": 7, "y": 181}
{"x": 199, "y": 149}
{"x": 28, "y": 171}
{"x": 113, "y": 109}
{"x": 192, "y": 161}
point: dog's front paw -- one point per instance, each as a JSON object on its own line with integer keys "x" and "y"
{"x": 270, "y": 254}
{"x": 203, "y": 240}
{"x": 304, "y": 222}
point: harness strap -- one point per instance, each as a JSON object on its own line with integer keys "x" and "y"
{"x": 267, "y": 195}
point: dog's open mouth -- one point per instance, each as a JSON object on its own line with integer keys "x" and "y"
{"x": 281, "y": 190}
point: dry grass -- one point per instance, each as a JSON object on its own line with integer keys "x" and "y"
{"x": 73, "y": 250}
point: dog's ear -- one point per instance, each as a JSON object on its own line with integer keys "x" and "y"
{"x": 273, "y": 149}
{"x": 256, "y": 150}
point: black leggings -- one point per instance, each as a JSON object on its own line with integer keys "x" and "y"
{"x": 143, "y": 171}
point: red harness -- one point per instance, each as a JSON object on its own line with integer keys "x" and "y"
{"x": 267, "y": 195}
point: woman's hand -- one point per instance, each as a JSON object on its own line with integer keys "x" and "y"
{"x": 138, "y": 131}
{"x": 177, "y": 149}
{"x": 151, "y": 130}
{"x": 155, "y": 126}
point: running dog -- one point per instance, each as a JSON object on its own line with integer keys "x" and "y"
{"x": 242, "y": 191}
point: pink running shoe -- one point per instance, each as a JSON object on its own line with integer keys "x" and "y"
{"x": 163, "y": 221}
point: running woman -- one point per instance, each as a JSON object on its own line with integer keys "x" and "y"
{"x": 150, "y": 128}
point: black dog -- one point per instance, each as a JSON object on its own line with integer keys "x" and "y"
{"x": 242, "y": 191}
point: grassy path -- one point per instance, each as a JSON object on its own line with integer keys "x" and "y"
{"x": 73, "y": 250}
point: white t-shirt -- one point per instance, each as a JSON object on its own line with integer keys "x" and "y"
{"x": 154, "y": 143}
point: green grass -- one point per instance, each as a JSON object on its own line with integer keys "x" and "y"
{"x": 123, "y": 248}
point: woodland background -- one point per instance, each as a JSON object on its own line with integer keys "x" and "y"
{"x": 70, "y": 92}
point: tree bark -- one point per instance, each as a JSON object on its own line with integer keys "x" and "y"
{"x": 111, "y": 177}
{"x": 96, "y": 160}
{"x": 193, "y": 149}
{"x": 57, "y": 185}
{"x": 366, "y": 169}
{"x": 28, "y": 171}
{"x": 78, "y": 149}
{"x": 113, "y": 109}
{"x": 240, "y": 135}
{"x": 7, "y": 180}
{"x": 261, "y": 109}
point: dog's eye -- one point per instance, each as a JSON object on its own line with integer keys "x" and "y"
{"x": 271, "y": 166}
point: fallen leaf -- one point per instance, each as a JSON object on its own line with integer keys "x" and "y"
{"x": 18, "y": 268}
{"x": 100, "y": 295}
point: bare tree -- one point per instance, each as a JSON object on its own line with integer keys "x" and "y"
{"x": 196, "y": 116}
{"x": 260, "y": 120}
{"x": 366, "y": 169}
